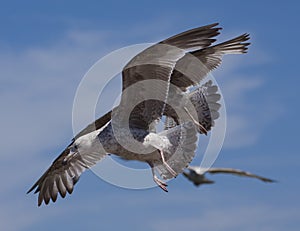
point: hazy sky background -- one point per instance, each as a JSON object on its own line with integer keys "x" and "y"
{"x": 47, "y": 47}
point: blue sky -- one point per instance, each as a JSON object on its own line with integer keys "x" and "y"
{"x": 47, "y": 47}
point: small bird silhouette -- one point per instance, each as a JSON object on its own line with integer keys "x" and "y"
{"x": 197, "y": 174}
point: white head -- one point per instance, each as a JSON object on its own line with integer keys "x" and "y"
{"x": 157, "y": 141}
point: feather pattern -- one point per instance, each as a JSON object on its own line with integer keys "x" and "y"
{"x": 65, "y": 171}
{"x": 204, "y": 100}
{"x": 157, "y": 63}
{"x": 195, "y": 65}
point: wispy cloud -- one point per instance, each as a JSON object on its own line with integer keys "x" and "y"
{"x": 248, "y": 109}
{"x": 234, "y": 219}
{"x": 38, "y": 86}
{"x": 36, "y": 95}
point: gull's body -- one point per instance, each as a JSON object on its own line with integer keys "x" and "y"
{"x": 197, "y": 174}
{"x": 168, "y": 152}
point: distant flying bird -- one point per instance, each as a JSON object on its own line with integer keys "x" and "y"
{"x": 171, "y": 150}
{"x": 197, "y": 174}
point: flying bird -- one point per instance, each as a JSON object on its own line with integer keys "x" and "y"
{"x": 153, "y": 72}
{"x": 197, "y": 174}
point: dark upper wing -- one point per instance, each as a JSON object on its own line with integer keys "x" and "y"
{"x": 97, "y": 124}
{"x": 194, "y": 66}
{"x": 211, "y": 56}
{"x": 238, "y": 172}
{"x": 191, "y": 69}
{"x": 157, "y": 63}
{"x": 195, "y": 38}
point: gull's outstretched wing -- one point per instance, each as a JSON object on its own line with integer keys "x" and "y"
{"x": 66, "y": 169}
{"x": 238, "y": 173}
{"x": 191, "y": 69}
{"x": 157, "y": 63}
{"x": 63, "y": 174}
{"x": 195, "y": 65}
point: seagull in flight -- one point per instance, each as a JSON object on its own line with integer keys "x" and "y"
{"x": 152, "y": 72}
{"x": 196, "y": 174}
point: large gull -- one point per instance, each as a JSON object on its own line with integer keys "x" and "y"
{"x": 168, "y": 152}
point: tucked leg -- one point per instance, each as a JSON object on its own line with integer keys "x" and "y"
{"x": 159, "y": 182}
{"x": 166, "y": 164}
{"x": 200, "y": 126}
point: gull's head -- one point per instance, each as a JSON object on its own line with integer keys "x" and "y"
{"x": 154, "y": 140}
{"x": 157, "y": 141}
{"x": 149, "y": 139}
